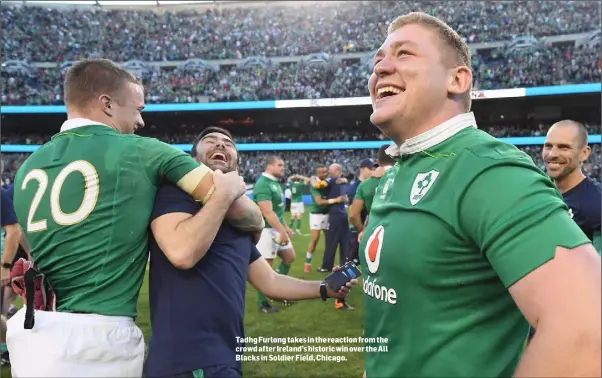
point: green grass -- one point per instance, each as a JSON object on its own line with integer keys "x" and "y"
{"x": 312, "y": 318}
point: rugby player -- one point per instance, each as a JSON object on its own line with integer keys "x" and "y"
{"x": 564, "y": 152}
{"x": 84, "y": 200}
{"x": 467, "y": 242}
{"x": 362, "y": 201}
{"x": 367, "y": 167}
{"x": 197, "y": 304}
{"x": 297, "y": 184}
{"x": 275, "y": 237}
{"x": 318, "y": 215}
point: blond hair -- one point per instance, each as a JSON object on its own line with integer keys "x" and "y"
{"x": 88, "y": 79}
{"x": 458, "y": 50}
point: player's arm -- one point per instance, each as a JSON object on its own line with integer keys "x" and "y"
{"x": 170, "y": 163}
{"x": 183, "y": 232}
{"x": 281, "y": 287}
{"x": 270, "y": 216}
{"x": 355, "y": 210}
{"x": 546, "y": 262}
{"x": 12, "y": 237}
{"x": 325, "y": 202}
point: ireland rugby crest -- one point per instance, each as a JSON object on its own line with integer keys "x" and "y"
{"x": 422, "y": 184}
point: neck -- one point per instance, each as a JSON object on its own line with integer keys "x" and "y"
{"x": 404, "y": 129}
{"x": 92, "y": 116}
{"x": 569, "y": 182}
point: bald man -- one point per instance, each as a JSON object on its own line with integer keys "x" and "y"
{"x": 564, "y": 152}
{"x": 338, "y": 227}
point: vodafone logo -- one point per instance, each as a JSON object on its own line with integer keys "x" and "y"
{"x": 373, "y": 247}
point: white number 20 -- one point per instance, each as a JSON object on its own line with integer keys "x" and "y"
{"x": 91, "y": 190}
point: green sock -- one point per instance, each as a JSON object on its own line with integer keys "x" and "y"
{"x": 298, "y": 224}
{"x": 290, "y": 223}
{"x": 3, "y": 347}
{"x": 308, "y": 257}
{"x": 283, "y": 268}
{"x": 260, "y": 298}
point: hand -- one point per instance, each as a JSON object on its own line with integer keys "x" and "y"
{"x": 344, "y": 290}
{"x": 230, "y": 184}
{"x": 288, "y": 231}
{"x": 341, "y": 180}
{"x": 360, "y": 236}
{"x": 282, "y": 238}
{"x": 4, "y": 276}
{"x": 345, "y": 199}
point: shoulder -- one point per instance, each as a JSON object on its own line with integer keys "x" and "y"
{"x": 171, "y": 199}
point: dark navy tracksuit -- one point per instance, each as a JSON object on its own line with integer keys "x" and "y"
{"x": 338, "y": 228}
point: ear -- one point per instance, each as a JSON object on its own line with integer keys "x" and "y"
{"x": 585, "y": 152}
{"x": 107, "y": 104}
{"x": 460, "y": 80}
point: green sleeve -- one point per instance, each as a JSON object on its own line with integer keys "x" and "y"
{"x": 164, "y": 161}
{"x": 517, "y": 218}
{"x": 360, "y": 193}
{"x": 597, "y": 243}
{"x": 261, "y": 192}
{"x": 314, "y": 192}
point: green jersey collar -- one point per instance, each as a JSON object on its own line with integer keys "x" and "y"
{"x": 273, "y": 178}
{"x": 79, "y": 122}
{"x": 434, "y": 136}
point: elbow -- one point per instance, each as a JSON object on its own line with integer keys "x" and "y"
{"x": 183, "y": 258}
{"x": 354, "y": 218}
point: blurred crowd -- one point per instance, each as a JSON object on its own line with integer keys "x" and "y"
{"x": 304, "y": 162}
{"x": 546, "y": 65}
{"x": 39, "y": 34}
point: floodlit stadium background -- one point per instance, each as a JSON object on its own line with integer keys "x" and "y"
{"x": 291, "y": 78}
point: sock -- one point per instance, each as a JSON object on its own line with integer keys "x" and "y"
{"x": 308, "y": 257}
{"x": 283, "y": 268}
{"x": 3, "y": 347}
{"x": 298, "y": 226}
{"x": 290, "y": 223}
{"x": 260, "y": 299}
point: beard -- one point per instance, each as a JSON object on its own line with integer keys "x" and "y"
{"x": 222, "y": 166}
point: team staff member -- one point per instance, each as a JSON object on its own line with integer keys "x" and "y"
{"x": 275, "y": 237}
{"x": 564, "y": 152}
{"x": 467, "y": 240}
{"x": 198, "y": 282}
{"x": 84, "y": 200}
{"x": 318, "y": 215}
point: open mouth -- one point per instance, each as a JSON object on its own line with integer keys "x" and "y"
{"x": 219, "y": 157}
{"x": 554, "y": 164}
{"x": 387, "y": 92}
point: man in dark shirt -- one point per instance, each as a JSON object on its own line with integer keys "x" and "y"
{"x": 198, "y": 282}
{"x": 564, "y": 152}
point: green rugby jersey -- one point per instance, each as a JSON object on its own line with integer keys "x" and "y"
{"x": 315, "y": 208}
{"x": 297, "y": 191}
{"x": 84, "y": 201}
{"x": 459, "y": 218}
{"x": 366, "y": 190}
{"x": 267, "y": 188}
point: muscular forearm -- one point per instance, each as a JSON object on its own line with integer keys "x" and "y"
{"x": 11, "y": 243}
{"x": 282, "y": 287}
{"x": 245, "y": 215}
{"x": 195, "y": 235}
{"x": 567, "y": 351}
{"x": 355, "y": 221}
{"x": 273, "y": 221}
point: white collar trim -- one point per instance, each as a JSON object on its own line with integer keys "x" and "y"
{"x": 434, "y": 136}
{"x": 79, "y": 122}
{"x": 271, "y": 177}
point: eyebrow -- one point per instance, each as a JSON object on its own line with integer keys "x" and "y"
{"x": 394, "y": 46}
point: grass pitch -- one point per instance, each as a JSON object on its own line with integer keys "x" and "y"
{"x": 305, "y": 319}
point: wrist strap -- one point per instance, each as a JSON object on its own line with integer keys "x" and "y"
{"x": 323, "y": 292}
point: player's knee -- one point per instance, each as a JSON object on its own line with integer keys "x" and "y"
{"x": 288, "y": 257}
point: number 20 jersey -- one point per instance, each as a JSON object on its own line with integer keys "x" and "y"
{"x": 84, "y": 200}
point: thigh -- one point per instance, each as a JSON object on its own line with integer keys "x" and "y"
{"x": 266, "y": 245}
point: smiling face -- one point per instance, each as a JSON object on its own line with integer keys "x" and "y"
{"x": 415, "y": 75}
{"x": 217, "y": 151}
{"x": 564, "y": 150}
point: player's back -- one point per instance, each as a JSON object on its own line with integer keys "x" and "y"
{"x": 84, "y": 200}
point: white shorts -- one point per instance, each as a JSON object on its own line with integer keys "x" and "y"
{"x": 318, "y": 221}
{"x": 297, "y": 208}
{"x": 267, "y": 247}
{"x": 75, "y": 345}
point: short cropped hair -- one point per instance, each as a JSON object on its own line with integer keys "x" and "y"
{"x": 582, "y": 135}
{"x": 88, "y": 79}
{"x": 204, "y": 133}
{"x": 273, "y": 159}
{"x": 382, "y": 156}
{"x": 457, "y": 49}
